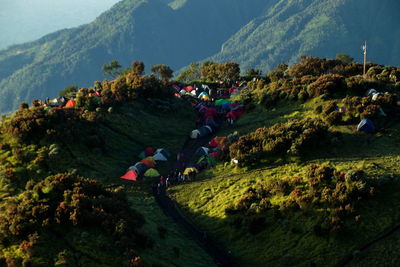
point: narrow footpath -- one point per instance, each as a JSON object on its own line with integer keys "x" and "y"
{"x": 218, "y": 253}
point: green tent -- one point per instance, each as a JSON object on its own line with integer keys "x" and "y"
{"x": 219, "y": 102}
{"x": 210, "y": 161}
{"x": 151, "y": 173}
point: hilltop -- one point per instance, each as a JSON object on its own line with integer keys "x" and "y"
{"x": 256, "y": 34}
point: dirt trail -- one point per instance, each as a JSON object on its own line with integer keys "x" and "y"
{"x": 217, "y": 252}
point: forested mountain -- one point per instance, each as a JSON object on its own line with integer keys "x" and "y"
{"x": 254, "y": 33}
{"x": 290, "y": 29}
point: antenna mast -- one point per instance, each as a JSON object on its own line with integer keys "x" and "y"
{"x": 364, "y": 48}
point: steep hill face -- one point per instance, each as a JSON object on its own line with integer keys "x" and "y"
{"x": 147, "y": 30}
{"x": 290, "y": 29}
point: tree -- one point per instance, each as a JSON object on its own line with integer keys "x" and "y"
{"x": 162, "y": 71}
{"x": 347, "y": 59}
{"x": 229, "y": 71}
{"x": 72, "y": 89}
{"x": 192, "y": 73}
{"x": 111, "y": 69}
{"x": 253, "y": 73}
{"x": 278, "y": 73}
{"x": 209, "y": 71}
{"x": 138, "y": 67}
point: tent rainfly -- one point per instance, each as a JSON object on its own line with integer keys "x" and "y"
{"x": 159, "y": 157}
{"x": 130, "y": 175}
{"x": 151, "y": 173}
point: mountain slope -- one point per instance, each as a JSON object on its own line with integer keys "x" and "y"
{"x": 290, "y": 29}
{"x": 147, "y": 30}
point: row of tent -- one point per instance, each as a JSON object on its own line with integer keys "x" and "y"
{"x": 146, "y": 166}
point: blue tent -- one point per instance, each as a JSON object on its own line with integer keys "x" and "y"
{"x": 366, "y": 125}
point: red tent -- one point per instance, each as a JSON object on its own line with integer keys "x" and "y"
{"x": 97, "y": 93}
{"x": 148, "y": 163}
{"x": 212, "y": 112}
{"x": 214, "y": 142}
{"x": 189, "y": 88}
{"x": 214, "y": 154}
{"x": 130, "y": 175}
{"x": 149, "y": 151}
{"x": 70, "y": 104}
{"x": 231, "y": 115}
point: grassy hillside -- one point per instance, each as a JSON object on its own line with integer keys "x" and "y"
{"x": 50, "y": 215}
{"x": 304, "y": 196}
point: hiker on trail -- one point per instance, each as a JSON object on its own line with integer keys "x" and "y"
{"x": 158, "y": 188}
{"x": 162, "y": 181}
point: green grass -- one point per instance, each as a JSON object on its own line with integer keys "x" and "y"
{"x": 288, "y": 242}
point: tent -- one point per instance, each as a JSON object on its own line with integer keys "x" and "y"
{"x": 182, "y": 92}
{"x": 159, "y": 157}
{"x": 219, "y": 102}
{"x": 142, "y": 155}
{"x": 214, "y": 142}
{"x": 199, "y": 105}
{"x": 149, "y": 151}
{"x": 148, "y": 163}
{"x": 164, "y": 152}
{"x": 210, "y": 161}
{"x": 139, "y": 167}
{"x": 70, "y": 104}
{"x": 189, "y": 88}
{"x": 211, "y": 123}
{"x": 214, "y": 154}
{"x": 151, "y": 173}
{"x": 190, "y": 169}
{"x": 202, "y": 151}
{"x": 204, "y": 130}
{"x": 371, "y": 92}
{"x": 205, "y": 98}
{"x": 366, "y": 125}
{"x": 193, "y": 93}
{"x": 195, "y": 134}
{"x": 130, "y": 175}
{"x": 202, "y": 94}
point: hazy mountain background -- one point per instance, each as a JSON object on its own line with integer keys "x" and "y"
{"x": 254, "y": 33}
{"x": 27, "y": 20}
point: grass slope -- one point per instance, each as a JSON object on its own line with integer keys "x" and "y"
{"x": 289, "y": 242}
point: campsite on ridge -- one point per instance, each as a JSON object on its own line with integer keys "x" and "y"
{"x": 205, "y": 133}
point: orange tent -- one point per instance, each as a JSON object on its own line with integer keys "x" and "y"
{"x": 130, "y": 175}
{"x": 149, "y": 163}
{"x": 70, "y": 104}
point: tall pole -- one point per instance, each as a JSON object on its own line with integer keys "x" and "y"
{"x": 364, "y": 48}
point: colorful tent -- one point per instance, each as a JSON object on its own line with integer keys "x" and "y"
{"x": 164, "y": 152}
{"x": 130, "y": 175}
{"x": 214, "y": 142}
{"x": 142, "y": 155}
{"x": 149, "y": 151}
{"x": 366, "y": 125}
{"x": 189, "y": 170}
{"x": 148, "y": 163}
{"x": 70, "y": 104}
{"x": 140, "y": 168}
{"x": 210, "y": 161}
{"x": 214, "y": 154}
{"x": 195, "y": 134}
{"x": 159, "y": 157}
{"x": 189, "y": 88}
{"x": 202, "y": 151}
{"x": 151, "y": 173}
